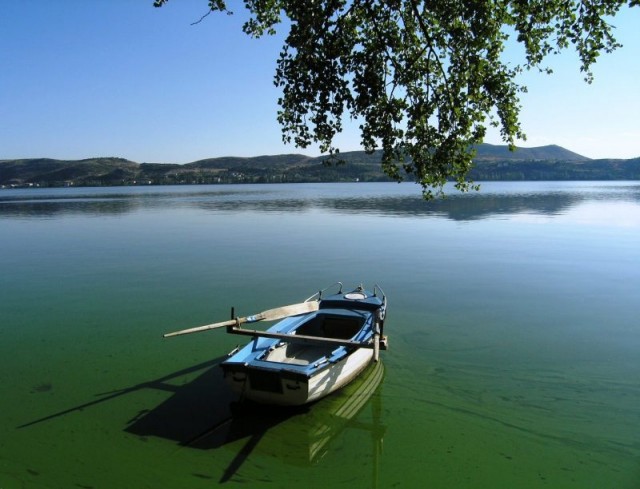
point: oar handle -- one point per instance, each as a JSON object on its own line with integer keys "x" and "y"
{"x": 197, "y": 329}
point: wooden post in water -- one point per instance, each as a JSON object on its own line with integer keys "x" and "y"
{"x": 376, "y": 341}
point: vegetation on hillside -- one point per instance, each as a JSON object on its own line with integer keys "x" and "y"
{"x": 491, "y": 163}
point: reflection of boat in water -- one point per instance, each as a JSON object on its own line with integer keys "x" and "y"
{"x": 298, "y": 435}
{"x": 305, "y": 438}
{"x": 343, "y": 409}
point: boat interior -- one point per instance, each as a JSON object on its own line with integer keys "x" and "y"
{"x": 328, "y": 326}
{"x": 321, "y": 326}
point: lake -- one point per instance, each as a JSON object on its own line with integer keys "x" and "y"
{"x": 514, "y": 340}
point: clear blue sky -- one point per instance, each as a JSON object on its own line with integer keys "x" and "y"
{"x": 85, "y": 78}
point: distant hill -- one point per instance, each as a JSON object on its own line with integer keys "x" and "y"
{"x": 234, "y": 162}
{"x": 552, "y": 152}
{"x": 50, "y": 172}
{"x": 492, "y": 162}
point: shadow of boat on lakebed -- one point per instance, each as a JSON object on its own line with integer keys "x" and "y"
{"x": 204, "y": 414}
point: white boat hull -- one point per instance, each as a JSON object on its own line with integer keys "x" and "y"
{"x": 295, "y": 392}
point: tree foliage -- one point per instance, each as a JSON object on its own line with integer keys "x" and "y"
{"x": 423, "y": 78}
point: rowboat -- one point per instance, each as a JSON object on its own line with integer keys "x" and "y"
{"x": 318, "y": 346}
{"x": 303, "y": 358}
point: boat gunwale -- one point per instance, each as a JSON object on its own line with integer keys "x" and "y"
{"x": 348, "y": 359}
{"x": 273, "y": 338}
{"x": 284, "y": 331}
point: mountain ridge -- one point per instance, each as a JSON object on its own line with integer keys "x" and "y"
{"x": 492, "y": 162}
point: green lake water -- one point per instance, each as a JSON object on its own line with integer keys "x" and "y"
{"x": 513, "y": 323}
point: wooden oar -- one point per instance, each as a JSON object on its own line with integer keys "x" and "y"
{"x": 269, "y": 315}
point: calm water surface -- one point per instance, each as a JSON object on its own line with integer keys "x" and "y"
{"x": 513, "y": 325}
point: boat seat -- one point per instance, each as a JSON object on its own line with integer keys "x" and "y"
{"x": 297, "y": 354}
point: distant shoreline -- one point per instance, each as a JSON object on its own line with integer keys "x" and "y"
{"x": 492, "y": 163}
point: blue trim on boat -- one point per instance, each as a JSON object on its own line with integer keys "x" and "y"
{"x": 250, "y": 355}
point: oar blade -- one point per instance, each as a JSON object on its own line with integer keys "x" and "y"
{"x": 285, "y": 311}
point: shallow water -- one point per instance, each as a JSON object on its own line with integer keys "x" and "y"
{"x": 514, "y": 339}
